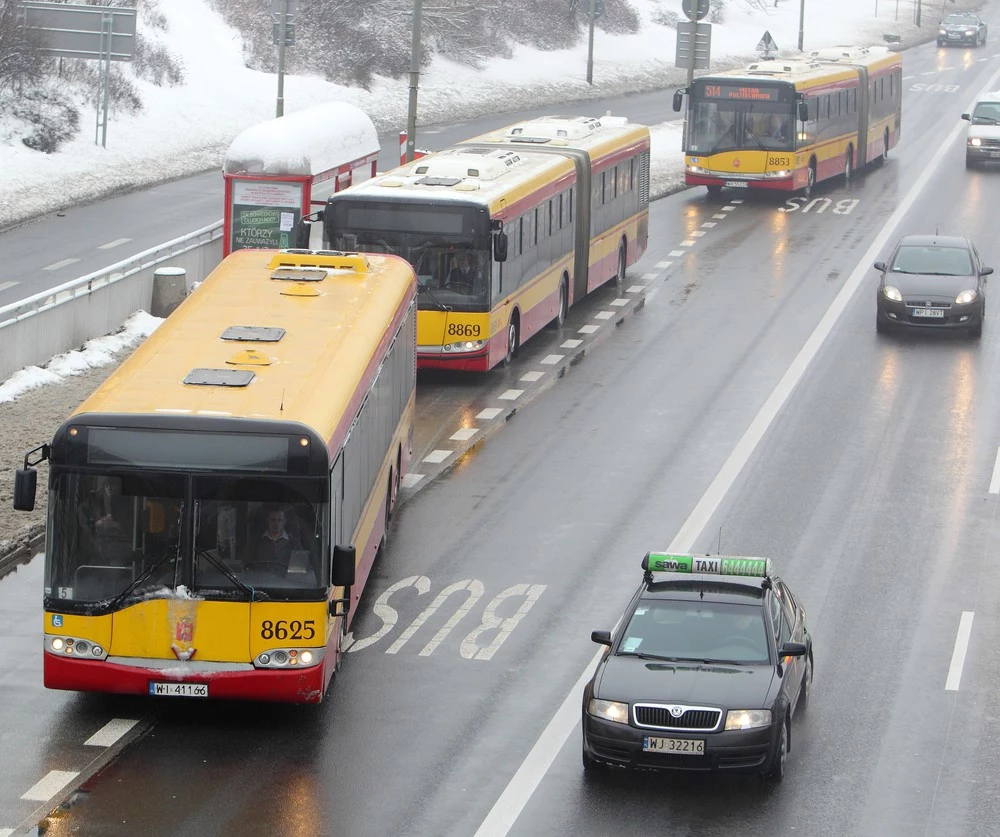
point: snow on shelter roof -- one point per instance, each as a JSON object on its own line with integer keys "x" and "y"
{"x": 308, "y": 141}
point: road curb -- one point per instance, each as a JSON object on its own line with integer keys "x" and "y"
{"x": 22, "y": 549}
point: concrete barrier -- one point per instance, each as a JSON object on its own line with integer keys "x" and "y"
{"x": 50, "y": 323}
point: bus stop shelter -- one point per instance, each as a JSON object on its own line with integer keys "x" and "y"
{"x": 279, "y": 170}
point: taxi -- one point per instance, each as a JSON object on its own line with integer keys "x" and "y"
{"x": 705, "y": 671}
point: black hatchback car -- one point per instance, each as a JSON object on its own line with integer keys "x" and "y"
{"x": 932, "y": 281}
{"x": 963, "y": 29}
{"x": 711, "y": 661}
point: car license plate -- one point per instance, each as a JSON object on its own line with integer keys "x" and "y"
{"x": 736, "y": 184}
{"x": 679, "y": 746}
{"x": 929, "y": 313}
{"x": 179, "y": 689}
{"x": 995, "y": 153}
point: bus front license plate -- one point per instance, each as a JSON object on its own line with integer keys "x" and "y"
{"x": 179, "y": 689}
{"x": 736, "y": 184}
{"x": 677, "y": 746}
{"x": 929, "y": 313}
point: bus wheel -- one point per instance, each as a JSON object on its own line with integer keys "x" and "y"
{"x": 563, "y": 304}
{"x": 508, "y": 358}
{"x": 714, "y": 191}
{"x": 848, "y": 165}
{"x": 620, "y": 276}
{"x": 810, "y": 179}
{"x": 885, "y": 148}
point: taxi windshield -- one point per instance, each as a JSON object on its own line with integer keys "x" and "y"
{"x": 701, "y": 631}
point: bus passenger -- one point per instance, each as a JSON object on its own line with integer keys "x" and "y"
{"x": 272, "y": 551}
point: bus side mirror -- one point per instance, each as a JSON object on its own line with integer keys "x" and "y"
{"x": 678, "y": 99}
{"x": 500, "y": 246}
{"x": 303, "y": 229}
{"x": 803, "y": 111}
{"x": 342, "y": 573}
{"x": 25, "y": 480}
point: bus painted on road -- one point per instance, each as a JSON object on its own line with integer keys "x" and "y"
{"x": 215, "y": 507}
{"x": 787, "y": 124}
{"x": 506, "y": 231}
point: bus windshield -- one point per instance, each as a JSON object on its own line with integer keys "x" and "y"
{"x": 118, "y": 538}
{"x": 449, "y": 248}
{"x": 715, "y": 126}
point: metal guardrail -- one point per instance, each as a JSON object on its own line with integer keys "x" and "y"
{"x": 38, "y": 328}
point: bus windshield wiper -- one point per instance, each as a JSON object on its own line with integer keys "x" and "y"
{"x": 228, "y": 573}
{"x": 441, "y": 306}
{"x": 172, "y": 550}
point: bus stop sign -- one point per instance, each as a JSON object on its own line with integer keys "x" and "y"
{"x": 695, "y": 9}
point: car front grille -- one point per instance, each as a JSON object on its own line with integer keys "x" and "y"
{"x": 989, "y": 143}
{"x": 659, "y": 716}
{"x": 924, "y": 303}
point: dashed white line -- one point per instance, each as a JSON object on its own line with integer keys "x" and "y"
{"x": 634, "y": 289}
{"x": 411, "y": 480}
{"x": 736, "y": 201}
{"x": 697, "y": 233}
{"x": 719, "y": 216}
{"x": 3, "y": 287}
{"x": 58, "y": 265}
{"x": 464, "y": 434}
{"x": 510, "y": 394}
{"x": 117, "y": 242}
{"x": 676, "y": 253}
{"x": 648, "y": 277}
{"x": 552, "y": 360}
{"x": 437, "y": 456}
{"x": 728, "y": 208}
{"x": 491, "y": 413}
{"x": 588, "y": 329}
{"x": 618, "y": 303}
{"x": 958, "y": 655}
{"x": 663, "y": 265}
{"x": 50, "y": 785}
{"x": 931, "y": 73}
{"x": 568, "y": 344}
{"x": 687, "y": 243}
{"x": 907, "y": 78}
{"x": 708, "y": 224}
{"x": 604, "y": 315}
{"x": 995, "y": 481}
{"x": 110, "y": 732}
{"x": 531, "y": 377}
{"x": 6, "y": 832}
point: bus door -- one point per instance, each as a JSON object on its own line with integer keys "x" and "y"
{"x": 863, "y": 113}
{"x": 581, "y": 226}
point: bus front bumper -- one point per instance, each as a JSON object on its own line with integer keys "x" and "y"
{"x": 434, "y": 357}
{"x": 778, "y": 184}
{"x": 285, "y": 686}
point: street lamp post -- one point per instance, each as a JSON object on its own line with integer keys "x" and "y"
{"x": 802, "y": 17}
{"x": 411, "y": 113}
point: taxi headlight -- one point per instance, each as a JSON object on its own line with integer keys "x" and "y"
{"x": 970, "y": 31}
{"x": 608, "y": 710}
{"x": 965, "y": 297}
{"x": 748, "y": 718}
{"x": 942, "y": 32}
{"x": 890, "y": 292}
{"x": 976, "y": 141}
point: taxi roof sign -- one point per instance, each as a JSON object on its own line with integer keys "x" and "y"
{"x": 663, "y": 562}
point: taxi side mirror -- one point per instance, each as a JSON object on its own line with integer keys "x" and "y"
{"x": 601, "y": 637}
{"x": 967, "y": 117}
{"x": 880, "y": 266}
{"x": 986, "y": 271}
{"x": 792, "y": 649}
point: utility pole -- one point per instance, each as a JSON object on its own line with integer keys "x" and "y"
{"x": 411, "y": 114}
{"x": 282, "y": 24}
{"x": 590, "y": 43}
{"x": 802, "y": 17}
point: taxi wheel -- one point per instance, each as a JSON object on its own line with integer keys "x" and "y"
{"x": 591, "y": 766}
{"x": 807, "y": 679}
{"x": 776, "y": 770}
{"x": 977, "y": 330}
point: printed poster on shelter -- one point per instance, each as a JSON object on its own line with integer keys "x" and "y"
{"x": 264, "y": 214}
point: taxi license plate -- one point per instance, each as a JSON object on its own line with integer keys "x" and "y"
{"x": 736, "y": 184}
{"x": 929, "y": 313}
{"x": 995, "y": 153}
{"x": 179, "y": 689}
{"x": 677, "y": 746}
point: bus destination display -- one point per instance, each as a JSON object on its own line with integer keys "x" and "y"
{"x": 743, "y": 92}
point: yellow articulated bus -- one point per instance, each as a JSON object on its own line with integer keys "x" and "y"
{"x": 505, "y": 231}
{"x": 215, "y": 507}
{"x": 786, "y": 125}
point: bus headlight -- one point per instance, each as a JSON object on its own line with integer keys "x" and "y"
{"x": 464, "y": 346}
{"x": 697, "y": 169}
{"x": 778, "y": 173}
{"x": 286, "y": 658}
{"x": 71, "y": 646}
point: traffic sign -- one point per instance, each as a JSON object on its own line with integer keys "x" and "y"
{"x": 694, "y": 45}
{"x": 766, "y": 44}
{"x": 695, "y": 9}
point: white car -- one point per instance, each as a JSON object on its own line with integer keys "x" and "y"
{"x": 982, "y": 142}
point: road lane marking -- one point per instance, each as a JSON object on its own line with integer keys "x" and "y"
{"x": 648, "y": 277}
{"x": 534, "y": 375}
{"x": 995, "y": 481}
{"x": 552, "y": 360}
{"x": 533, "y": 769}
{"x": 58, "y": 265}
{"x": 510, "y": 394}
{"x": 411, "y": 480}
{"x": 958, "y": 655}
{"x": 3, "y": 287}
{"x": 663, "y": 265}
{"x": 604, "y": 315}
{"x": 619, "y": 303}
{"x": 675, "y": 253}
{"x": 6, "y": 832}
{"x": 117, "y": 242}
{"x": 464, "y": 434}
{"x": 50, "y": 785}
{"x": 110, "y": 732}
{"x": 634, "y": 289}
{"x": 588, "y": 329}
{"x": 568, "y": 344}
{"x": 437, "y": 456}
{"x": 489, "y": 413}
